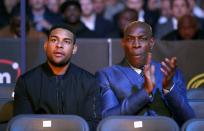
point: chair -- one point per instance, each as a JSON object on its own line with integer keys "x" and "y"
{"x": 198, "y": 107}
{"x": 193, "y": 125}
{"x": 6, "y": 91}
{"x": 137, "y": 123}
{"x": 195, "y": 93}
{"x": 6, "y": 104}
{"x": 47, "y": 123}
{"x": 6, "y": 112}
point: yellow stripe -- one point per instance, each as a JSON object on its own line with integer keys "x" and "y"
{"x": 191, "y": 83}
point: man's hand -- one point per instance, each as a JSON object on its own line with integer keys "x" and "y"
{"x": 168, "y": 69}
{"x": 149, "y": 75}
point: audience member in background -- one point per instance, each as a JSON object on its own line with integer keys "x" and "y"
{"x": 153, "y": 5}
{"x": 10, "y": 4}
{"x": 53, "y": 5}
{"x": 195, "y": 9}
{"x": 58, "y": 86}
{"x": 94, "y": 22}
{"x": 42, "y": 19}
{"x": 113, "y": 7}
{"x": 4, "y": 16}
{"x": 99, "y": 7}
{"x": 147, "y": 16}
{"x": 71, "y": 14}
{"x": 187, "y": 30}
{"x": 13, "y": 30}
{"x": 165, "y": 12}
{"x": 141, "y": 86}
{"x": 179, "y": 9}
{"x": 124, "y": 18}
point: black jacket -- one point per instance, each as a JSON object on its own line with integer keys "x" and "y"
{"x": 39, "y": 91}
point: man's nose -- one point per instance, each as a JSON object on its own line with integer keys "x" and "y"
{"x": 136, "y": 42}
{"x": 59, "y": 44}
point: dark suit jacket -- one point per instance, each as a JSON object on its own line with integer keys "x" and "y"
{"x": 119, "y": 98}
{"x": 103, "y": 28}
{"x": 39, "y": 91}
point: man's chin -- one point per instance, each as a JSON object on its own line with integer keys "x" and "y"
{"x": 59, "y": 64}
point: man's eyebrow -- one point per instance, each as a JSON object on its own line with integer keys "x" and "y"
{"x": 53, "y": 36}
{"x": 57, "y": 37}
{"x": 67, "y": 38}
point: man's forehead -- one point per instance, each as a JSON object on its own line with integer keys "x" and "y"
{"x": 138, "y": 30}
{"x": 61, "y": 31}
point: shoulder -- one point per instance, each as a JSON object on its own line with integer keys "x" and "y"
{"x": 80, "y": 72}
{"x": 109, "y": 69}
{"x": 110, "y": 72}
{"x": 35, "y": 72}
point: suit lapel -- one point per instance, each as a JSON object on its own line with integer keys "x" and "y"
{"x": 135, "y": 79}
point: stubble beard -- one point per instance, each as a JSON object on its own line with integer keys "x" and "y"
{"x": 59, "y": 64}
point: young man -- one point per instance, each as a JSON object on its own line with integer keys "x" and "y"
{"x": 58, "y": 86}
{"x": 139, "y": 86}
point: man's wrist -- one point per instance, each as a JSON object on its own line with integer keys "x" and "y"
{"x": 167, "y": 90}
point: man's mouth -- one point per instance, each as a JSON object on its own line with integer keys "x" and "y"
{"x": 58, "y": 54}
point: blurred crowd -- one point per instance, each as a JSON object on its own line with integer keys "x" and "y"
{"x": 170, "y": 19}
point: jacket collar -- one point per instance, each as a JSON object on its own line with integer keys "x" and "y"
{"x": 48, "y": 71}
{"x": 134, "y": 78}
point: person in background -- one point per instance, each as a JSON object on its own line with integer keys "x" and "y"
{"x": 99, "y": 7}
{"x": 179, "y": 9}
{"x": 145, "y": 15}
{"x": 13, "y": 30}
{"x": 140, "y": 86}
{"x": 165, "y": 12}
{"x": 71, "y": 14}
{"x": 10, "y": 4}
{"x": 113, "y": 7}
{"x": 53, "y": 5}
{"x": 94, "y": 22}
{"x": 187, "y": 30}
{"x": 58, "y": 86}
{"x": 195, "y": 9}
{"x": 124, "y": 18}
{"x": 41, "y": 18}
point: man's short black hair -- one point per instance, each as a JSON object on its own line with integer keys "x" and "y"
{"x": 63, "y": 26}
{"x": 68, "y": 3}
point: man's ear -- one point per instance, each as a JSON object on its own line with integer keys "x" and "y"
{"x": 45, "y": 46}
{"x": 75, "y": 49}
{"x": 152, "y": 42}
{"x": 122, "y": 42}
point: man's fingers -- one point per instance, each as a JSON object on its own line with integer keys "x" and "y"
{"x": 149, "y": 57}
{"x": 152, "y": 74}
{"x": 164, "y": 72}
{"x": 174, "y": 61}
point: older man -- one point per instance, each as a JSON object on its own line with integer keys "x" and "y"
{"x": 140, "y": 86}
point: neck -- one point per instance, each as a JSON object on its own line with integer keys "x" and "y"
{"x": 87, "y": 17}
{"x": 59, "y": 70}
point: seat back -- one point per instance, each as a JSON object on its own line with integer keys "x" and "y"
{"x": 6, "y": 104}
{"x": 6, "y": 112}
{"x": 193, "y": 125}
{"x": 196, "y": 93}
{"x": 47, "y": 123}
{"x": 137, "y": 123}
{"x": 6, "y": 91}
{"x": 198, "y": 107}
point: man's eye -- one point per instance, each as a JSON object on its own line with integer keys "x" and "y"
{"x": 68, "y": 42}
{"x": 130, "y": 39}
{"x": 143, "y": 38}
{"x": 53, "y": 40}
